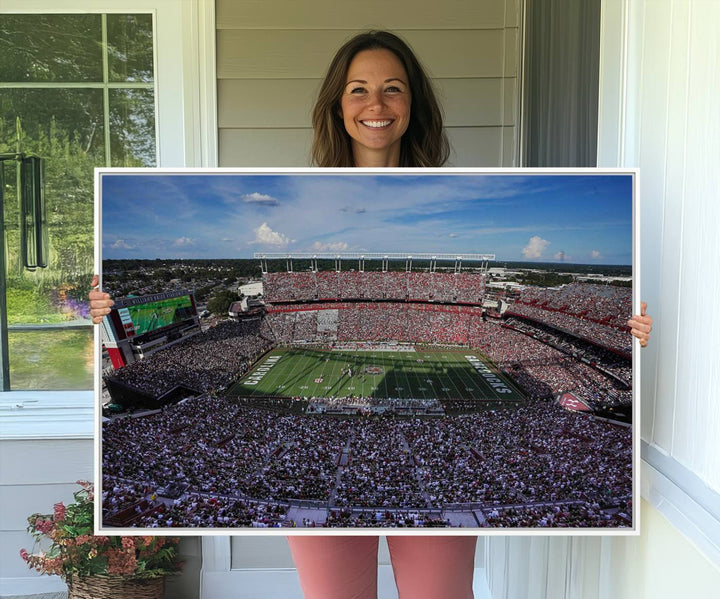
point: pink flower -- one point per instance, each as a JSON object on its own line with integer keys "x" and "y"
{"x": 25, "y": 555}
{"x": 121, "y": 562}
{"x": 53, "y": 565}
{"x": 59, "y": 512}
{"x": 44, "y": 526}
{"x": 128, "y": 543}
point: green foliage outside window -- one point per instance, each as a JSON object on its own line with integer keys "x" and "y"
{"x": 78, "y": 91}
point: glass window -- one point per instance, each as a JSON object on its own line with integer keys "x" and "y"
{"x": 77, "y": 90}
{"x": 44, "y": 48}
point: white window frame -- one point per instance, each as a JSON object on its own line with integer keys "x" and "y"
{"x": 186, "y": 129}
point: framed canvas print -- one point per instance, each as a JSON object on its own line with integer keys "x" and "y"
{"x": 323, "y": 351}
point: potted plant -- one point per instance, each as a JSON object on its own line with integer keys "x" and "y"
{"x": 98, "y": 567}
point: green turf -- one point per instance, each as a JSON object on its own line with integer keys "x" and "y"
{"x": 424, "y": 374}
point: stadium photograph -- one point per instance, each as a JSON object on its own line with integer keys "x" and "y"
{"x": 315, "y": 349}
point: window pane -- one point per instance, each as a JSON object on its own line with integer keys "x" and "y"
{"x": 66, "y": 127}
{"x": 130, "y": 47}
{"x": 132, "y": 127}
{"x": 52, "y": 359}
{"x": 50, "y": 48}
{"x": 53, "y": 121}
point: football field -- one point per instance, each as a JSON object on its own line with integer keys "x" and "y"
{"x": 421, "y": 374}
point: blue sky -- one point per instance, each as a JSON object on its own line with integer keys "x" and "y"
{"x": 580, "y": 218}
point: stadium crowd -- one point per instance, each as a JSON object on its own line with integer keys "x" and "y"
{"x": 601, "y": 303}
{"x": 570, "y": 515}
{"x": 597, "y": 313}
{"x": 250, "y": 458}
{"x": 199, "y": 511}
{"x": 383, "y": 519}
{"x": 377, "y": 321}
{"x": 461, "y": 287}
{"x": 618, "y": 365}
{"x": 381, "y": 472}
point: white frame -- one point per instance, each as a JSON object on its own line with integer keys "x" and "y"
{"x": 219, "y": 555}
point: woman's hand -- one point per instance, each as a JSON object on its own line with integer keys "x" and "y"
{"x": 641, "y": 325}
{"x": 100, "y": 302}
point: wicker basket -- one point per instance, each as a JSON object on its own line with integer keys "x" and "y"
{"x": 116, "y": 587}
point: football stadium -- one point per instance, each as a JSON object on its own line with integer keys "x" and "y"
{"x": 377, "y": 398}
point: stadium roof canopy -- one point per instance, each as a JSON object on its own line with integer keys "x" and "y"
{"x": 372, "y": 255}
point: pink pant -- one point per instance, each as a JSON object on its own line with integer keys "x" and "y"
{"x": 346, "y": 567}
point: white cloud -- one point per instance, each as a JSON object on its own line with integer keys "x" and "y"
{"x": 595, "y": 254}
{"x": 351, "y": 209}
{"x": 560, "y": 256}
{"x": 260, "y": 198}
{"x": 184, "y": 242}
{"x": 266, "y": 236}
{"x": 453, "y": 235}
{"x": 120, "y": 244}
{"x": 535, "y": 247}
{"x": 337, "y": 246}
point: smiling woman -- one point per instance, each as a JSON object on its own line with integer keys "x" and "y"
{"x": 377, "y": 107}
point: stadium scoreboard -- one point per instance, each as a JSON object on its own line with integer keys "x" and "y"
{"x": 136, "y": 325}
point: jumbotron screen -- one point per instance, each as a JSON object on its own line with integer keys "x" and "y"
{"x": 148, "y": 314}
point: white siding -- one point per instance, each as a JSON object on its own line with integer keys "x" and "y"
{"x": 669, "y": 126}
